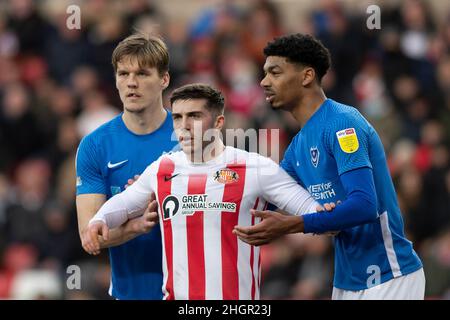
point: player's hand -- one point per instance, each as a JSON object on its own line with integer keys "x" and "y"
{"x": 89, "y": 239}
{"x": 131, "y": 181}
{"x": 272, "y": 226}
{"x": 147, "y": 221}
{"x": 328, "y": 207}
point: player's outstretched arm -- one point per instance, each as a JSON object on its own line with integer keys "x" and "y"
{"x": 277, "y": 187}
{"x": 133, "y": 227}
{"x": 97, "y": 231}
{"x": 89, "y": 204}
{"x": 273, "y": 225}
{"x": 94, "y": 231}
{"x": 359, "y": 208}
{"x": 135, "y": 205}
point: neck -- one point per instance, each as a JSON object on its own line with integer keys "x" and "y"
{"x": 210, "y": 152}
{"x": 308, "y": 105}
{"x": 146, "y": 121}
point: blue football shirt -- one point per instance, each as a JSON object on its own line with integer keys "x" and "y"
{"x": 335, "y": 140}
{"x": 106, "y": 159}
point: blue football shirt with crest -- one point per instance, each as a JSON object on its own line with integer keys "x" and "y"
{"x": 335, "y": 140}
{"x": 106, "y": 159}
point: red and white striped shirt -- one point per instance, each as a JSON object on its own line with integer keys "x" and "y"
{"x": 199, "y": 205}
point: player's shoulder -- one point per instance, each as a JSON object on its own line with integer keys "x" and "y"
{"x": 108, "y": 129}
{"x": 339, "y": 114}
{"x": 341, "y": 110}
{"x": 242, "y": 156}
{"x": 174, "y": 156}
{"x": 166, "y": 163}
{"x": 235, "y": 154}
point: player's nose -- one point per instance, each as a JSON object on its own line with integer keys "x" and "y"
{"x": 132, "y": 81}
{"x": 186, "y": 123}
{"x": 264, "y": 82}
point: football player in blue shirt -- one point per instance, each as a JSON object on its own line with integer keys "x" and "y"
{"x": 120, "y": 149}
{"x": 337, "y": 156}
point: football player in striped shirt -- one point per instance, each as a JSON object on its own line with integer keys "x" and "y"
{"x": 338, "y": 156}
{"x": 203, "y": 192}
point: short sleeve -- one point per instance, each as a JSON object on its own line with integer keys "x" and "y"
{"x": 88, "y": 169}
{"x": 347, "y": 139}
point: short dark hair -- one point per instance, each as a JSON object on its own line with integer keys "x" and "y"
{"x": 215, "y": 101}
{"x": 302, "y": 49}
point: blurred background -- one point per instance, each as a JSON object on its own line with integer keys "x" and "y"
{"x": 57, "y": 85}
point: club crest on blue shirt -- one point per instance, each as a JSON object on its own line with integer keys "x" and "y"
{"x": 115, "y": 190}
{"x": 314, "y": 156}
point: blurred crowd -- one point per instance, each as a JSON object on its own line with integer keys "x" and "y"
{"x": 57, "y": 85}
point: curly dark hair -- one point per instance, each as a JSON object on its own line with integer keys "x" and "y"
{"x": 302, "y": 49}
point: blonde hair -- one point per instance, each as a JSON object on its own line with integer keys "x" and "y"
{"x": 149, "y": 50}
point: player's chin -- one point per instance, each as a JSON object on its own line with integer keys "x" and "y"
{"x": 133, "y": 108}
{"x": 186, "y": 144}
{"x": 275, "y": 105}
{"x": 186, "y": 148}
{"x": 281, "y": 105}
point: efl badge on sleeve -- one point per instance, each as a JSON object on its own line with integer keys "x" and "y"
{"x": 348, "y": 140}
{"x": 314, "y": 156}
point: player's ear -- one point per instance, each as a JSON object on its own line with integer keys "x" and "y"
{"x": 165, "y": 80}
{"x": 308, "y": 76}
{"x": 220, "y": 122}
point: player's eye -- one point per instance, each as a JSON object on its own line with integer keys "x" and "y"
{"x": 274, "y": 71}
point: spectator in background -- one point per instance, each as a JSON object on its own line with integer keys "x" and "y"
{"x": 437, "y": 266}
{"x": 24, "y": 211}
{"x": 95, "y": 112}
{"x": 9, "y": 44}
{"x": 19, "y": 129}
{"x": 103, "y": 38}
{"x": 28, "y": 25}
{"x": 71, "y": 44}
{"x": 298, "y": 267}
